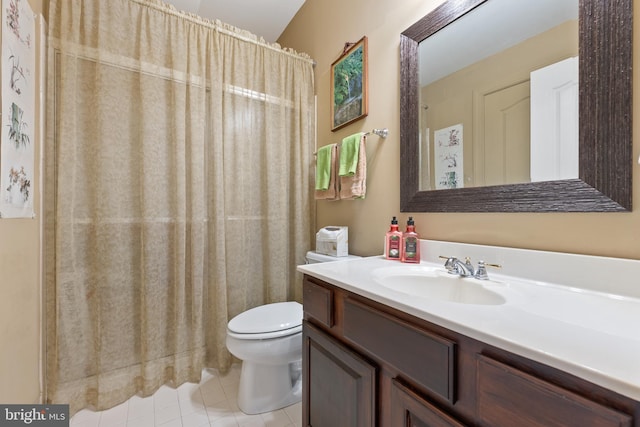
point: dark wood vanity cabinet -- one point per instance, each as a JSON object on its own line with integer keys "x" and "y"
{"x": 367, "y": 364}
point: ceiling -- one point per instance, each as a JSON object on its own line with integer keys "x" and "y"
{"x": 265, "y": 18}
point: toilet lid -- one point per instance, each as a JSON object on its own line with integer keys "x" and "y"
{"x": 274, "y": 317}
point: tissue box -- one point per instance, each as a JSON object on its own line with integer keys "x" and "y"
{"x": 333, "y": 240}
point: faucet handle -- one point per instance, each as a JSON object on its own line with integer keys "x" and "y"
{"x": 469, "y": 265}
{"x": 450, "y": 264}
{"x": 481, "y": 273}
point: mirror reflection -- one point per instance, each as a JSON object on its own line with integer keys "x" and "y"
{"x": 499, "y": 96}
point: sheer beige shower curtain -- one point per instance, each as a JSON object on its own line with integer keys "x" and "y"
{"x": 177, "y": 193}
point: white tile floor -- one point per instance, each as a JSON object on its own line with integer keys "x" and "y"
{"x": 212, "y": 403}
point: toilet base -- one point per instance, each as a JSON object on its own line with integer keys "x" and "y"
{"x": 265, "y": 388}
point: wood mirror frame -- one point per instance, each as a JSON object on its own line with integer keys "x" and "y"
{"x": 605, "y": 131}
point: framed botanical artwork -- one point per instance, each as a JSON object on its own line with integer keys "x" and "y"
{"x": 349, "y": 86}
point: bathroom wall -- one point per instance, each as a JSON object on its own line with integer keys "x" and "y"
{"x": 320, "y": 29}
{"x": 20, "y": 318}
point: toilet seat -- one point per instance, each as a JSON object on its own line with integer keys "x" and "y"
{"x": 267, "y": 321}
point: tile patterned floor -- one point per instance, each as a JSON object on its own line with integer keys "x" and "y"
{"x": 212, "y": 403}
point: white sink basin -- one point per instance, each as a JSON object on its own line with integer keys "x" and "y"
{"x": 434, "y": 283}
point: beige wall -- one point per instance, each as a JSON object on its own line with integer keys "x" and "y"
{"x": 320, "y": 29}
{"x": 20, "y": 318}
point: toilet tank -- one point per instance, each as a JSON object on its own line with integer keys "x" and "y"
{"x": 313, "y": 257}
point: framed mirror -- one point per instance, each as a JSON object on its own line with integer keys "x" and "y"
{"x": 604, "y": 110}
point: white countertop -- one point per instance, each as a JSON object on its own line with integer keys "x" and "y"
{"x": 592, "y": 334}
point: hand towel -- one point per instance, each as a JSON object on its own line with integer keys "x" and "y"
{"x": 349, "y": 151}
{"x": 323, "y": 167}
{"x": 330, "y": 192}
{"x": 355, "y": 187}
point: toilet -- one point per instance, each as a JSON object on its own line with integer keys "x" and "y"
{"x": 268, "y": 340}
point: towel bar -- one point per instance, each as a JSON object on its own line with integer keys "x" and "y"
{"x": 382, "y": 133}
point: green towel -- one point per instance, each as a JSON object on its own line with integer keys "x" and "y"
{"x": 323, "y": 167}
{"x": 349, "y": 154}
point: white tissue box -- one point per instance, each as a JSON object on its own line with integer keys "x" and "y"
{"x": 333, "y": 240}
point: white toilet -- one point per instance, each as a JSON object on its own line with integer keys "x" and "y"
{"x": 268, "y": 340}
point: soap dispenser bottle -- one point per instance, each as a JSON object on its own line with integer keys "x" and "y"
{"x": 410, "y": 243}
{"x": 393, "y": 242}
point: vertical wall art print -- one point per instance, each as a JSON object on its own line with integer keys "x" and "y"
{"x": 17, "y": 151}
{"x": 349, "y": 85}
{"x": 449, "y": 168}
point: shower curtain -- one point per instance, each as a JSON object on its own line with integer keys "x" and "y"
{"x": 177, "y": 193}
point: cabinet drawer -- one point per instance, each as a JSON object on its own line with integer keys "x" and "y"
{"x": 506, "y": 394}
{"x": 410, "y": 409}
{"x": 429, "y": 360}
{"x": 317, "y": 301}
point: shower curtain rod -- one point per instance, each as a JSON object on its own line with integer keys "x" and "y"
{"x": 223, "y": 27}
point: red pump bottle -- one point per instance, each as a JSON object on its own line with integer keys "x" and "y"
{"x": 410, "y": 243}
{"x": 393, "y": 242}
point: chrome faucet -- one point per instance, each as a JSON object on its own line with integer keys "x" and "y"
{"x": 462, "y": 269}
{"x": 466, "y": 269}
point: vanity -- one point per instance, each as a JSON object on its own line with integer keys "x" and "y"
{"x": 550, "y": 339}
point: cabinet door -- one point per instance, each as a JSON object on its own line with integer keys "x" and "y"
{"x": 408, "y": 409}
{"x": 339, "y": 386}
